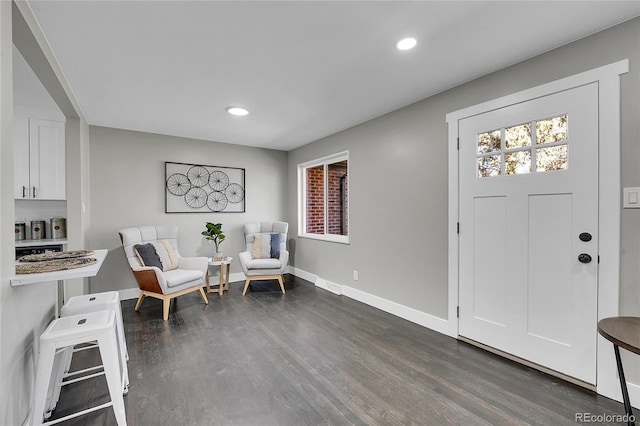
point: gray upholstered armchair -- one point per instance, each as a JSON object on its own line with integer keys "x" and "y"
{"x": 266, "y": 256}
{"x": 152, "y": 252}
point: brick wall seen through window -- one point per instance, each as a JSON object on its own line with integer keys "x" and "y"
{"x": 327, "y": 197}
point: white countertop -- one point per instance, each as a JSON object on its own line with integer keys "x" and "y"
{"x": 87, "y": 271}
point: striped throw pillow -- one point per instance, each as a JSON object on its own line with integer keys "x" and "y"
{"x": 266, "y": 246}
{"x": 158, "y": 253}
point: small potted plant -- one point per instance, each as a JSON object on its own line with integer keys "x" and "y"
{"x": 213, "y": 232}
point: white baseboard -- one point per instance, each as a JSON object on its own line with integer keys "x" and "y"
{"x": 238, "y": 276}
{"x": 317, "y": 281}
{"x": 329, "y": 286}
{"x": 426, "y": 320}
{"x": 129, "y": 293}
{"x": 302, "y": 274}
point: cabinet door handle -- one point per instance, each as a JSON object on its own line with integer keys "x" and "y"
{"x": 24, "y": 191}
{"x": 34, "y": 192}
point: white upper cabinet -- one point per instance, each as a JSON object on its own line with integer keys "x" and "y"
{"x": 39, "y": 154}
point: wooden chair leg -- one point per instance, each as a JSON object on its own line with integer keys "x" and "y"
{"x": 166, "y": 301}
{"x": 206, "y": 282}
{"x": 140, "y": 299}
{"x": 203, "y": 295}
{"x": 281, "y": 283}
{"x": 246, "y": 286}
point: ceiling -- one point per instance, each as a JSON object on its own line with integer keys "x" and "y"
{"x": 304, "y": 69}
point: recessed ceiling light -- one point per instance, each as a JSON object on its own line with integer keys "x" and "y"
{"x": 406, "y": 43}
{"x": 239, "y": 111}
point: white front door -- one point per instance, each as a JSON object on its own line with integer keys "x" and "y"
{"x": 528, "y": 177}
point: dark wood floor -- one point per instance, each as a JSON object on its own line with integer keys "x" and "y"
{"x": 313, "y": 358}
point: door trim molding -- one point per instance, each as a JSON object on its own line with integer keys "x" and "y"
{"x": 608, "y": 79}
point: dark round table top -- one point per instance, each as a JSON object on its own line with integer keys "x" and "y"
{"x": 622, "y": 331}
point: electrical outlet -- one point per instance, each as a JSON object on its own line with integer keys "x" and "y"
{"x": 355, "y": 275}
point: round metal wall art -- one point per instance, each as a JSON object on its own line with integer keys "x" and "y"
{"x": 218, "y": 180}
{"x": 178, "y": 184}
{"x": 217, "y": 201}
{"x": 194, "y": 188}
{"x": 198, "y": 176}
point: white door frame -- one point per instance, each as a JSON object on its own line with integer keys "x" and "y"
{"x": 608, "y": 79}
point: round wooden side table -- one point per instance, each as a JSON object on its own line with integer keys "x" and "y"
{"x": 224, "y": 265}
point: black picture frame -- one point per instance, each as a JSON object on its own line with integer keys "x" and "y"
{"x": 199, "y": 188}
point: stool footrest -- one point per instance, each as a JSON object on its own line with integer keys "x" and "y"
{"x": 79, "y": 379}
{"x": 79, "y": 413}
{"x": 86, "y": 370}
{"x": 84, "y": 348}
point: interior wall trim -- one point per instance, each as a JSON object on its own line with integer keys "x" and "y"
{"x": 431, "y": 322}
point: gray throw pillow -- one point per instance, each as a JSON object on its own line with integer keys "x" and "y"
{"x": 148, "y": 255}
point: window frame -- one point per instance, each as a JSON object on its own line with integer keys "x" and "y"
{"x": 302, "y": 198}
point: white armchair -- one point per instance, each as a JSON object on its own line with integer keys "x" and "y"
{"x": 266, "y": 256}
{"x": 152, "y": 252}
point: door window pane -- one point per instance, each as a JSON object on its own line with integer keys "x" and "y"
{"x": 489, "y": 165}
{"x": 489, "y": 142}
{"x": 551, "y": 158}
{"x": 518, "y": 136}
{"x": 518, "y": 162}
{"x": 551, "y": 130}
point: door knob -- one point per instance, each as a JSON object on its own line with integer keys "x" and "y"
{"x": 584, "y": 258}
{"x": 585, "y": 236}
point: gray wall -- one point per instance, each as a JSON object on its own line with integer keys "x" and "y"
{"x": 127, "y": 189}
{"x": 398, "y": 180}
{"x": 397, "y": 210}
{"x": 25, "y": 311}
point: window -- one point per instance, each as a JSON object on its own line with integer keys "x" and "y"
{"x": 539, "y": 146}
{"x": 323, "y": 207}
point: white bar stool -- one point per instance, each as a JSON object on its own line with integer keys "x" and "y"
{"x": 67, "y": 332}
{"x": 109, "y": 300}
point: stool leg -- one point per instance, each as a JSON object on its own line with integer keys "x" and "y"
{"x": 62, "y": 365}
{"x": 120, "y": 325}
{"x": 108, "y": 345}
{"x": 122, "y": 349}
{"x": 124, "y": 370}
{"x": 46, "y": 359}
